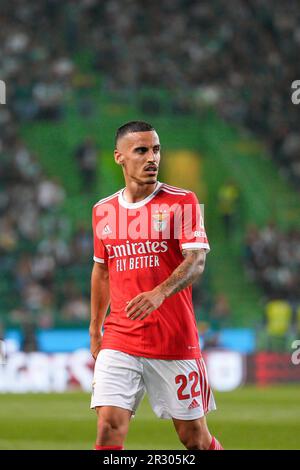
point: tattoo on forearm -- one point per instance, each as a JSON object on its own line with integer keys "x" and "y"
{"x": 185, "y": 273}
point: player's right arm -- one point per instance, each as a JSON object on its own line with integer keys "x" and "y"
{"x": 100, "y": 300}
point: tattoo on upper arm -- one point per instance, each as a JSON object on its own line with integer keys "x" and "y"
{"x": 192, "y": 253}
{"x": 187, "y": 271}
{"x": 195, "y": 256}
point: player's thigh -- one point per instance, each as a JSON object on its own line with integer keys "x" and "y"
{"x": 118, "y": 381}
{"x": 178, "y": 389}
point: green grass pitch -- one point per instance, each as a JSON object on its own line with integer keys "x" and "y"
{"x": 248, "y": 418}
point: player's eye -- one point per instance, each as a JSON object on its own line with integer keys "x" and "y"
{"x": 141, "y": 150}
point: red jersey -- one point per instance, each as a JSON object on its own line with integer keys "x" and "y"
{"x": 142, "y": 244}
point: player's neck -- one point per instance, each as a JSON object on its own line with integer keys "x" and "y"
{"x": 135, "y": 192}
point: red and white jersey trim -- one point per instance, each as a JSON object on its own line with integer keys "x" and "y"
{"x": 175, "y": 189}
{"x": 106, "y": 199}
{"x": 173, "y": 192}
{"x": 99, "y": 260}
{"x": 195, "y": 246}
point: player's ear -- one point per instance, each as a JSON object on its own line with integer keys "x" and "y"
{"x": 118, "y": 157}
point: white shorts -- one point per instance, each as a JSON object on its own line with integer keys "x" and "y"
{"x": 176, "y": 388}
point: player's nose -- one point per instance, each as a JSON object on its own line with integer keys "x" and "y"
{"x": 152, "y": 157}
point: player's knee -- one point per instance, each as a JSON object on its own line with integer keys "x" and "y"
{"x": 194, "y": 438}
{"x": 108, "y": 430}
{"x": 186, "y": 436}
{"x": 195, "y": 442}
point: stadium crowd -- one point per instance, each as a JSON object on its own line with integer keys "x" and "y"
{"x": 273, "y": 260}
{"x": 36, "y": 241}
{"x": 36, "y": 238}
{"x": 239, "y": 56}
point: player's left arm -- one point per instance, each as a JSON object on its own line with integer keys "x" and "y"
{"x": 183, "y": 276}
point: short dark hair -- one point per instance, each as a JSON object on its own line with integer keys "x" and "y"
{"x": 132, "y": 126}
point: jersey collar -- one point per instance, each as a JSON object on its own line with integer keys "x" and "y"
{"x": 136, "y": 205}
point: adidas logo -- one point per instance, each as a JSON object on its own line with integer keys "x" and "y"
{"x": 107, "y": 230}
{"x": 194, "y": 404}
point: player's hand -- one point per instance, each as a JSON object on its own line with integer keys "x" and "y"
{"x": 143, "y": 304}
{"x": 95, "y": 346}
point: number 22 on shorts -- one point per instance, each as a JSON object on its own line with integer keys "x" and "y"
{"x": 193, "y": 378}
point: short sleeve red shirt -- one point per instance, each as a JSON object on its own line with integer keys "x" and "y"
{"x": 142, "y": 245}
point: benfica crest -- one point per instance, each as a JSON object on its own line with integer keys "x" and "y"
{"x": 160, "y": 219}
